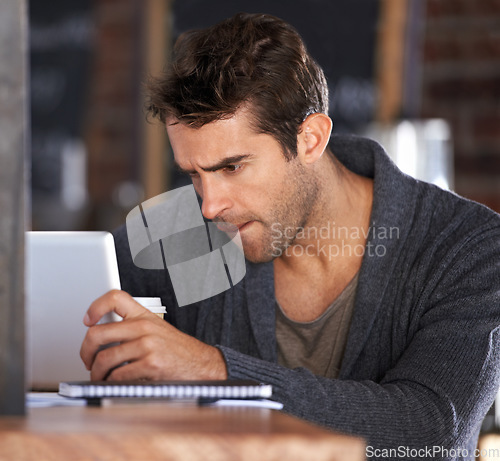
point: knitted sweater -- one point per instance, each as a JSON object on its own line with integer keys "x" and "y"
{"x": 422, "y": 362}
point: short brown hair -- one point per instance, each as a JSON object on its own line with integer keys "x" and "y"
{"x": 253, "y": 59}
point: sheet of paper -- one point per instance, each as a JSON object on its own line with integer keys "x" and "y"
{"x": 51, "y": 399}
{"x": 259, "y": 403}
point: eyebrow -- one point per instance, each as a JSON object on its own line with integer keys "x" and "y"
{"x": 228, "y": 161}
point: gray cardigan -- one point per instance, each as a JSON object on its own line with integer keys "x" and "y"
{"x": 421, "y": 365}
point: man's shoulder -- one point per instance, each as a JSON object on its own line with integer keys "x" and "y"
{"x": 447, "y": 208}
{"x": 450, "y": 235}
{"x": 368, "y": 158}
{"x": 430, "y": 221}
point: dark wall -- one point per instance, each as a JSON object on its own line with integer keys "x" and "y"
{"x": 339, "y": 34}
{"x": 60, "y": 51}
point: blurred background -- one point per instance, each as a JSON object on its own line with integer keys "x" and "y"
{"x": 421, "y": 76}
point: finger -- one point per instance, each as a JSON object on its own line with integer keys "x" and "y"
{"x": 147, "y": 352}
{"x": 117, "y": 301}
{"x": 151, "y": 363}
{"x": 113, "y": 357}
{"x": 98, "y": 336}
{"x": 131, "y": 371}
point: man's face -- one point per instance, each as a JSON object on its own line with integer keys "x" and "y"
{"x": 244, "y": 179}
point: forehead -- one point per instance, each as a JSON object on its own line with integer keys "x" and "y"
{"x": 238, "y": 123}
{"x": 216, "y": 140}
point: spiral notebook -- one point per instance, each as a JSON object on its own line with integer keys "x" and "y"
{"x": 225, "y": 389}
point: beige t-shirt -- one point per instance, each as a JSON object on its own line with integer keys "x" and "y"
{"x": 318, "y": 345}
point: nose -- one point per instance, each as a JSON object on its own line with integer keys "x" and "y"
{"x": 215, "y": 198}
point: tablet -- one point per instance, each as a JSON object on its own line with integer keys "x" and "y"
{"x": 65, "y": 272}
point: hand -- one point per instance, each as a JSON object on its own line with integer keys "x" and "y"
{"x": 149, "y": 348}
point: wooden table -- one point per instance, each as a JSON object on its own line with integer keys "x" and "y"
{"x": 161, "y": 431}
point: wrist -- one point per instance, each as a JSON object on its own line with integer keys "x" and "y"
{"x": 217, "y": 366}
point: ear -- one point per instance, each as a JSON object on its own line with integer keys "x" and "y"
{"x": 313, "y": 137}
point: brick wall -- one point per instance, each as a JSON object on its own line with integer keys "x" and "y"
{"x": 461, "y": 83}
{"x": 113, "y": 126}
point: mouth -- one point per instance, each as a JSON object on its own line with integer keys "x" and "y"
{"x": 244, "y": 225}
{"x": 232, "y": 228}
{"x": 227, "y": 227}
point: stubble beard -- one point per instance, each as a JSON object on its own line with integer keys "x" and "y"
{"x": 293, "y": 204}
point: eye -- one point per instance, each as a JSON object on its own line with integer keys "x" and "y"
{"x": 233, "y": 168}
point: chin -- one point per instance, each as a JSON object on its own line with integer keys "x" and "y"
{"x": 257, "y": 255}
{"x": 257, "y": 247}
{"x": 259, "y": 260}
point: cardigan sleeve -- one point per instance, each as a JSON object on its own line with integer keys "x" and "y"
{"x": 440, "y": 388}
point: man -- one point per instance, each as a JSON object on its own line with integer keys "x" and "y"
{"x": 371, "y": 301}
